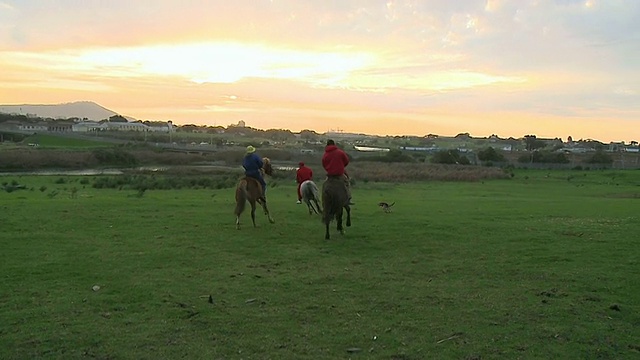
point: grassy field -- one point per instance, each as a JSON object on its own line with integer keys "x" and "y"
{"x": 54, "y": 141}
{"x": 541, "y": 266}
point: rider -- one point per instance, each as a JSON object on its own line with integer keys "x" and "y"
{"x": 252, "y": 163}
{"x": 334, "y": 162}
{"x": 303, "y": 174}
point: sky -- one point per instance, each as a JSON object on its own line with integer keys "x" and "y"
{"x": 550, "y": 68}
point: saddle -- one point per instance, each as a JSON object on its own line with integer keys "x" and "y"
{"x": 254, "y": 180}
{"x": 257, "y": 184}
{"x": 335, "y": 178}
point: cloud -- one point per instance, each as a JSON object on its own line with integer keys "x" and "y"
{"x": 435, "y": 58}
{"x": 5, "y": 6}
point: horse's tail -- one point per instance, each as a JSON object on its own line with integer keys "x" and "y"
{"x": 314, "y": 191}
{"x": 316, "y": 195}
{"x": 328, "y": 206}
{"x": 326, "y": 210}
{"x": 334, "y": 198}
{"x": 241, "y": 197}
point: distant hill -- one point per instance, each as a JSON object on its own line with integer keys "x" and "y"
{"x": 78, "y": 109}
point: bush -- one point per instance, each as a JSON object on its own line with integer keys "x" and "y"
{"x": 393, "y": 156}
{"x": 546, "y": 157}
{"x": 490, "y": 154}
{"x": 163, "y": 182}
{"x": 599, "y": 157}
{"x": 449, "y": 157}
{"x": 114, "y": 157}
{"x": 407, "y": 172}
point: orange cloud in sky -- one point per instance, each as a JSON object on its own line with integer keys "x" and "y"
{"x": 497, "y": 67}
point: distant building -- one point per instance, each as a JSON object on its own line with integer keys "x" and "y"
{"x": 60, "y": 126}
{"x": 128, "y": 126}
{"x": 160, "y": 127}
{"x": 40, "y": 126}
{"x": 370, "y": 149}
{"x": 419, "y": 148}
{"x": 240, "y": 124}
{"x": 88, "y": 126}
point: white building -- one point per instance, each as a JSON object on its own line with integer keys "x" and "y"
{"x": 34, "y": 127}
{"x": 87, "y": 126}
{"x": 126, "y": 126}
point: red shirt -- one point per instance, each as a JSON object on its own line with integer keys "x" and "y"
{"x": 303, "y": 174}
{"x": 334, "y": 160}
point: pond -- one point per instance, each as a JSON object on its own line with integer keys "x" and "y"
{"x": 90, "y": 172}
{"x": 64, "y": 172}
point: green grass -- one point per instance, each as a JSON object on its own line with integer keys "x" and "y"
{"x": 53, "y": 141}
{"x": 541, "y": 266}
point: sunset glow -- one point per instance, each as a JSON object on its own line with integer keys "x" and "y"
{"x": 505, "y": 67}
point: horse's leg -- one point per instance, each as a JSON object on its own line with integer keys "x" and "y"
{"x": 339, "y": 221}
{"x": 348, "y": 208}
{"x": 326, "y": 233}
{"x": 253, "y": 212}
{"x": 263, "y": 203}
{"x": 239, "y": 210}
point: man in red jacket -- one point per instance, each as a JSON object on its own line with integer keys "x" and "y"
{"x": 334, "y": 161}
{"x": 303, "y": 174}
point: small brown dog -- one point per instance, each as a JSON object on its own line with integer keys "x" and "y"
{"x": 386, "y": 207}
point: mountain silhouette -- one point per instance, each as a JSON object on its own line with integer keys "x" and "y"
{"x": 79, "y": 109}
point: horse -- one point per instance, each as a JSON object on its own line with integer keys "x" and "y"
{"x": 250, "y": 189}
{"x": 310, "y": 196}
{"x": 334, "y": 200}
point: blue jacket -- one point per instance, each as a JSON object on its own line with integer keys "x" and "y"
{"x": 252, "y": 163}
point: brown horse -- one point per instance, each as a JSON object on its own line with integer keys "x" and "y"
{"x": 250, "y": 189}
{"x": 335, "y": 199}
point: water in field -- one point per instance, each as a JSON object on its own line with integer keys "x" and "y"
{"x": 90, "y": 172}
{"x": 65, "y": 172}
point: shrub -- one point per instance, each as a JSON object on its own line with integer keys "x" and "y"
{"x": 544, "y": 157}
{"x": 404, "y": 172}
{"x": 144, "y": 182}
{"x": 393, "y": 156}
{"x": 599, "y": 157}
{"x": 490, "y": 154}
{"x": 114, "y": 157}
{"x": 449, "y": 157}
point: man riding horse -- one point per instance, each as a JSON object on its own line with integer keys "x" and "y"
{"x": 334, "y": 161}
{"x": 336, "y": 192}
{"x": 252, "y": 187}
{"x": 252, "y": 164}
